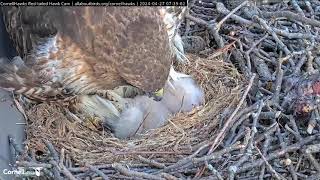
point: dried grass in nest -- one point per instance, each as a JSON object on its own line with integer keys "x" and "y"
{"x": 184, "y": 132}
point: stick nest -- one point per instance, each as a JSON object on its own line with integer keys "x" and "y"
{"x": 258, "y": 65}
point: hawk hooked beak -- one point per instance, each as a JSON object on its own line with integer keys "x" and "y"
{"x": 157, "y": 96}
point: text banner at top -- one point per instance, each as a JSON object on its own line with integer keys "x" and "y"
{"x": 95, "y": 3}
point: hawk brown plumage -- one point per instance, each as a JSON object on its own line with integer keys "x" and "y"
{"x": 89, "y": 51}
{"x": 84, "y": 50}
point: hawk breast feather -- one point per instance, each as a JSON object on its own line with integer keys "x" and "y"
{"x": 80, "y": 50}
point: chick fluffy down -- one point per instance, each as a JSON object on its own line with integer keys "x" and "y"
{"x": 182, "y": 96}
{"x": 141, "y": 114}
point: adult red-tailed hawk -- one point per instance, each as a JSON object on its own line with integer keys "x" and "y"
{"x": 88, "y": 52}
{"x": 83, "y": 50}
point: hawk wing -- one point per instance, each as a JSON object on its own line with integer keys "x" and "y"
{"x": 79, "y": 50}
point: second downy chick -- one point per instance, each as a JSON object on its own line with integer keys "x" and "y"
{"x": 141, "y": 114}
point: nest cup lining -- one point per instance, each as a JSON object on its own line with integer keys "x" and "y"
{"x": 184, "y": 133}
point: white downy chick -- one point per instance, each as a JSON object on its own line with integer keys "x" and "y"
{"x": 141, "y": 114}
{"x": 181, "y": 93}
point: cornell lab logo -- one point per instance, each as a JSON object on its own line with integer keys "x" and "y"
{"x": 22, "y": 171}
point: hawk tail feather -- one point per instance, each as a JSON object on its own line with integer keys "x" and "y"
{"x": 172, "y": 21}
{"x": 176, "y": 44}
{"x": 17, "y": 77}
